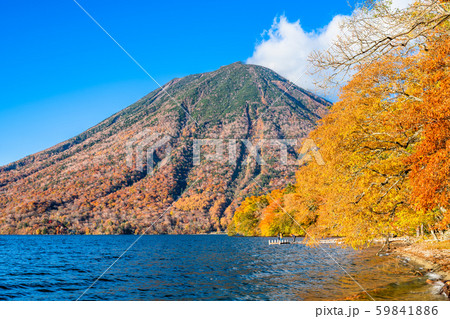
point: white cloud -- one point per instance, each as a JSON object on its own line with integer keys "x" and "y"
{"x": 401, "y": 4}
{"x": 286, "y": 47}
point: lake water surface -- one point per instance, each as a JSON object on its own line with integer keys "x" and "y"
{"x": 197, "y": 267}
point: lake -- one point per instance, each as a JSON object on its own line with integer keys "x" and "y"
{"x": 197, "y": 267}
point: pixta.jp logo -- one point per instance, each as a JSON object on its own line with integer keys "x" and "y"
{"x": 148, "y": 151}
{"x": 225, "y": 150}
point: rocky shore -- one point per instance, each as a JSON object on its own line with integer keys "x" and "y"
{"x": 431, "y": 258}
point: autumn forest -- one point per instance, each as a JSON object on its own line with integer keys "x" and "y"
{"x": 385, "y": 147}
{"x": 386, "y": 142}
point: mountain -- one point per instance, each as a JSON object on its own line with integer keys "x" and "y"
{"x": 121, "y": 175}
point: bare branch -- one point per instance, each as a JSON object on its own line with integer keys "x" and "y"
{"x": 372, "y": 33}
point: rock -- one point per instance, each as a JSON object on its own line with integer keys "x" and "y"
{"x": 446, "y": 289}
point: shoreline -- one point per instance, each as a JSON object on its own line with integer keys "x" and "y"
{"x": 426, "y": 258}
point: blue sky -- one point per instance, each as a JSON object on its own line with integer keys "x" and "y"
{"x": 60, "y": 74}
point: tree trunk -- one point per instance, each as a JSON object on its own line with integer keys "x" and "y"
{"x": 434, "y": 234}
{"x": 385, "y": 244}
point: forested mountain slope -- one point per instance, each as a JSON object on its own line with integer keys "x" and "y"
{"x": 86, "y": 184}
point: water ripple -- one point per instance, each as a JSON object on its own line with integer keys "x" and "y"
{"x": 194, "y": 268}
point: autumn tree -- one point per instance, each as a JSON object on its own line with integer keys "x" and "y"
{"x": 376, "y": 29}
{"x": 429, "y": 114}
{"x": 386, "y": 142}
